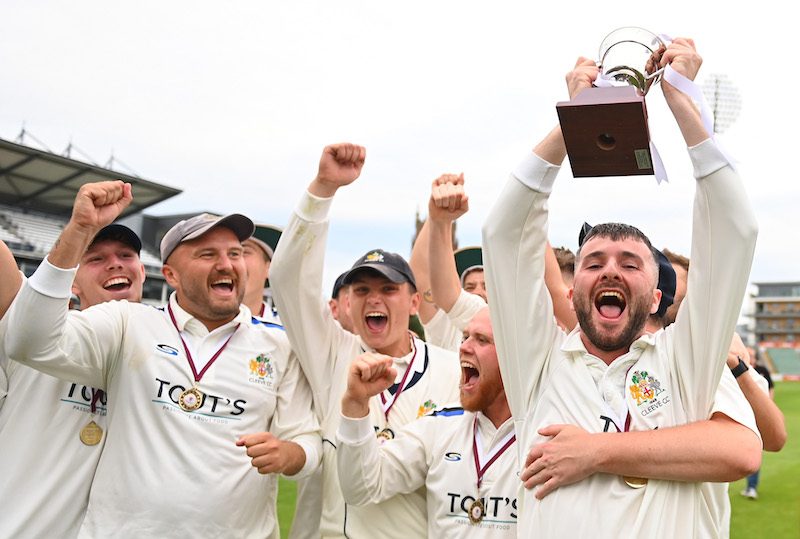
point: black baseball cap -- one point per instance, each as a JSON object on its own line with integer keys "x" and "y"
{"x": 120, "y": 233}
{"x": 667, "y": 281}
{"x": 391, "y": 265}
{"x": 338, "y": 285}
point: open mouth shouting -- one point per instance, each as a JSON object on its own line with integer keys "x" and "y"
{"x": 117, "y": 284}
{"x": 610, "y": 304}
{"x": 223, "y": 285}
{"x": 376, "y": 321}
{"x": 470, "y": 375}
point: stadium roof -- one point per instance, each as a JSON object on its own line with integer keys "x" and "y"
{"x": 41, "y": 180}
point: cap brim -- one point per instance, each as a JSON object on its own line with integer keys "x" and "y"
{"x": 120, "y": 233}
{"x": 467, "y": 258}
{"x": 263, "y": 246}
{"x": 390, "y": 273}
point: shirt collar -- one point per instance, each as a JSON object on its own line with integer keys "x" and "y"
{"x": 490, "y": 434}
{"x": 573, "y": 342}
{"x": 187, "y": 322}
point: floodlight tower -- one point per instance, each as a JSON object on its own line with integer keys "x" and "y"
{"x": 724, "y": 99}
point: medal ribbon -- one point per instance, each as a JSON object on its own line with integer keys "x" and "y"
{"x": 97, "y": 394}
{"x": 389, "y": 402}
{"x": 199, "y": 376}
{"x": 494, "y": 453}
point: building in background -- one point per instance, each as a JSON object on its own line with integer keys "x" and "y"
{"x": 37, "y": 191}
{"x": 776, "y": 314}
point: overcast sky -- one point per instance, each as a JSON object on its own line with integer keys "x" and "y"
{"x": 233, "y": 102}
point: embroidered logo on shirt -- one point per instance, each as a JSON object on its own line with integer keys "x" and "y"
{"x": 167, "y": 349}
{"x": 425, "y": 408}
{"x": 261, "y": 369}
{"x": 646, "y": 390}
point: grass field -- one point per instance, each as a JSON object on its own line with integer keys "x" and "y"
{"x": 776, "y": 513}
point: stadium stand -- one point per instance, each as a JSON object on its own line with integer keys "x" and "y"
{"x": 37, "y": 188}
{"x": 786, "y": 361}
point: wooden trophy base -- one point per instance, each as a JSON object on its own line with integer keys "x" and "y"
{"x": 605, "y": 131}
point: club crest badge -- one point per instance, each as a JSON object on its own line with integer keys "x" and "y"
{"x": 647, "y": 391}
{"x": 374, "y": 256}
{"x": 262, "y": 370}
{"x": 644, "y": 388}
{"x": 425, "y": 408}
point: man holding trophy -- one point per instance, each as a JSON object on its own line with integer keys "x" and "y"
{"x": 609, "y": 376}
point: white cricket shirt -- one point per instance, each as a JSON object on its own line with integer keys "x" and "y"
{"x": 325, "y": 351}
{"x": 666, "y": 379}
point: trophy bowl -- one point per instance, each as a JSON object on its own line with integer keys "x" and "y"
{"x": 605, "y": 127}
{"x": 630, "y": 55}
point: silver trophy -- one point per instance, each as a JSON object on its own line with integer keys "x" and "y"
{"x": 605, "y": 127}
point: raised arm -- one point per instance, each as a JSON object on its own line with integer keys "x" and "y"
{"x": 723, "y": 241}
{"x": 420, "y": 265}
{"x": 39, "y": 331}
{"x": 10, "y": 282}
{"x": 10, "y": 278}
{"x": 769, "y": 417}
{"x": 559, "y": 291}
{"x": 447, "y": 203}
{"x": 296, "y": 270}
{"x": 514, "y": 243}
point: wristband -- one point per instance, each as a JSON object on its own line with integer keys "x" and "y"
{"x": 739, "y": 369}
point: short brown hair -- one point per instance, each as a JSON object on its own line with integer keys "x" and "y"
{"x": 566, "y": 259}
{"x": 675, "y": 258}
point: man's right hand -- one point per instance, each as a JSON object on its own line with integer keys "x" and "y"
{"x": 99, "y": 204}
{"x": 339, "y": 165}
{"x": 96, "y": 206}
{"x": 370, "y": 374}
{"x": 448, "y": 200}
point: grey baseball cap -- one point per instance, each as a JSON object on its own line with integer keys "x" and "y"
{"x": 193, "y": 228}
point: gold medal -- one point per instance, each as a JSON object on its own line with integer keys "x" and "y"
{"x": 385, "y": 435}
{"x": 634, "y": 482}
{"x": 91, "y": 434}
{"x": 476, "y": 511}
{"x": 190, "y": 399}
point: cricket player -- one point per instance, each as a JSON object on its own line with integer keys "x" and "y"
{"x": 45, "y": 419}
{"x": 202, "y": 391}
{"x": 382, "y": 296}
{"x": 609, "y": 374}
{"x": 464, "y": 455}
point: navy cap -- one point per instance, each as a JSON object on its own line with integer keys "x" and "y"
{"x": 338, "y": 285}
{"x": 391, "y": 265}
{"x": 120, "y": 233}
{"x": 667, "y": 281}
